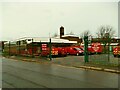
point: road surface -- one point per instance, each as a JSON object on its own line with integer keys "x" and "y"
{"x": 21, "y": 74}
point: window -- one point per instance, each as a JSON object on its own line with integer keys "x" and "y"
{"x": 77, "y": 49}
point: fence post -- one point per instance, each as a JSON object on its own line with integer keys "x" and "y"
{"x": 2, "y": 46}
{"x": 32, "y": 48}
{"x": 19, "y": 46}
{"x": 86, "y": 48}
{"x": 50, "y": 56}
{"x": 109, "y": 40}
{"x": 9, "y": 48}
{"x": 40, "y": 47}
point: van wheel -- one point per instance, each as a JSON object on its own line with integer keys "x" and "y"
{"x": 77, "y": 54}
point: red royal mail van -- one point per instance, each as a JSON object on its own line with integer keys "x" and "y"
{"x": 74, "y": 51}
{"x": 116, "y": 51}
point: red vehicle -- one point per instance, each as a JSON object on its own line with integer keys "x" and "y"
{"x": 93, "y": 48}
{"x": 46, "y": 52}
{"x": 116, "y": 51}
{"x": 56, "y": 51}
{"x": 96, "y": 48}
{"x": 74, "y": 51}
{"x": 62, "y": 51}
{"x": 90, "y": 50}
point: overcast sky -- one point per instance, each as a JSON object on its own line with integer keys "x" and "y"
{"x": 38, "y": 19}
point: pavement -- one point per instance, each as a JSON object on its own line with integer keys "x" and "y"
{"x": 70, "y": 61}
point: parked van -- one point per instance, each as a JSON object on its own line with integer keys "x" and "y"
{"x": 62, "y": 51}
{"x": 93, "y": 48}
{"x": 74, "y": 51}
{"x": 56, "y": 51}
{"x": 96, "y": 48}
{"x": 116, "y": 51}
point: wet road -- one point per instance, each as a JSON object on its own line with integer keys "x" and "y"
{"x": 20, "y": 74}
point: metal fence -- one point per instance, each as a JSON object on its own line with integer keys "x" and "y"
{"x": 106, "y": 58}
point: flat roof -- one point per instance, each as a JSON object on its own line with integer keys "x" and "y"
{"x": 43, "y": 39}
{"x": 68, "y": 35}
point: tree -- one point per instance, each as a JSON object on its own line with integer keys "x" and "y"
{"x": 104, "y": 34}
{"x": 85, "y": 33}
{"x": 105, "y": 31}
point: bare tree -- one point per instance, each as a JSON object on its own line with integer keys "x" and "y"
{"x": 85, "y": 33}
{"x": 105, "y": 31}
{"x": 104, "y": 34}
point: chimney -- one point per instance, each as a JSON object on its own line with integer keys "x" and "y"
{"x": 61, "y": 31}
